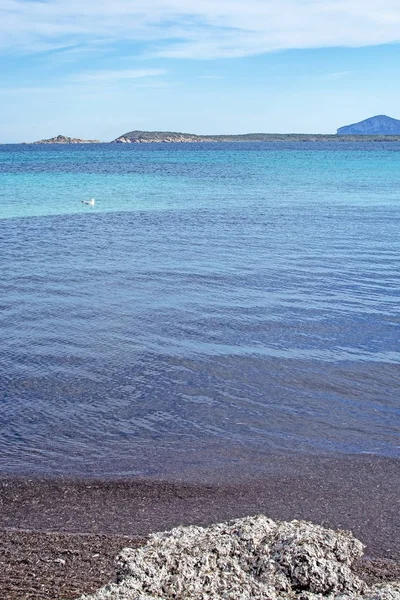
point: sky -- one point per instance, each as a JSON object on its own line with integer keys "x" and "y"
{"x": 100, "y": 68}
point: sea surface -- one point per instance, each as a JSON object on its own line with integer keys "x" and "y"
{"x": 220, "y": 304}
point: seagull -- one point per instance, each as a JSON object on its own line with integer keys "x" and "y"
{"x": 89, "y": 202}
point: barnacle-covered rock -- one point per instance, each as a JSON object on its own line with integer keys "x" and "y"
{"x": 253, "y": 558}
{"x": 384, "y": 592}
{"x": 316, "y": 559}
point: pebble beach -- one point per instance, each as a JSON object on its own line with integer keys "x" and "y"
{"x": 59, "y": 537}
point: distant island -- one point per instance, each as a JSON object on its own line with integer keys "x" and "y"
{"x": 378, "y": 125}
{"x": 375, "y": 129}
{"x": 146, "y": 137}
{"x": 62, "y": 139}
{"x": 173, "y": 137}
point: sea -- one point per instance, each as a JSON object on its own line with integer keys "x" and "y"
{"x": 221, "y": 304}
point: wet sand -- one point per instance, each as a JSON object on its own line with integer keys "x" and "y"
{"x": 59, "y": 536}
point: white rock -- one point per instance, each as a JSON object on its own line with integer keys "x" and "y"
{"x": 253, "y": 558}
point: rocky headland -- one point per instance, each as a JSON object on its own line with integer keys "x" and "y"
{"x": 146, "y": 137}
{"x": 173, "y": 137}
{"x": 63, "y": 139}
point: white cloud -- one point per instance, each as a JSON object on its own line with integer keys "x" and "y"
{"x": 199, "y": 29}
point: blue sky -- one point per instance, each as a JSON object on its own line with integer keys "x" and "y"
{"x": 96, "y": 68}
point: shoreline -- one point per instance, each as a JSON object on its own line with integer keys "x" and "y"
{"x": 59, "y": 530}
{"x": 356, "y": 492}
{"x": 193, "y": 139}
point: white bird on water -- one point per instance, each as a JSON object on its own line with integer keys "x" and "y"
{"x": 89, "y": 202}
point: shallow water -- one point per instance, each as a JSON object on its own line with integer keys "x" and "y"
{"x": 219, "y": 303}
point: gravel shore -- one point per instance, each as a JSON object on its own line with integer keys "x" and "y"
{"x": 59, "y": 537}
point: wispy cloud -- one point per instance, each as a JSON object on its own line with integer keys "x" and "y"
{"x": 210, "y": 76}
{"x": 156, "y": 85}
{"x": 28, "y": 90}
{"x": 114, "y": 75}
{"x": 336, "y": 75}
{"x": 207, "y": 29}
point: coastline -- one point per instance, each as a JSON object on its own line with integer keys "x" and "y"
{"x": 59, "y": 535}
{"x": 146, "y": 137}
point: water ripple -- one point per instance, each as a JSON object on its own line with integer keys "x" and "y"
{"x": 257, "y": 321}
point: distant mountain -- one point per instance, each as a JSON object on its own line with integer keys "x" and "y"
{"x": 379, "y": 125}
{"x": 62, "y": 139}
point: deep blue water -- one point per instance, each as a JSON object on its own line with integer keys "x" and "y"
{"x": 220, "y": 303}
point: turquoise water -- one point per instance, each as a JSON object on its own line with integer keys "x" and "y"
{"x": 219, "y": 304}
{"x": 43, "y": 180}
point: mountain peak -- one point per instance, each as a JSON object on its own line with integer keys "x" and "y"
{"x": 377, "y": 125}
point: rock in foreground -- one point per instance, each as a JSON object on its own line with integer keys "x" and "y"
{"x": 253, "y": 558}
